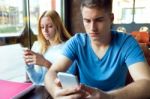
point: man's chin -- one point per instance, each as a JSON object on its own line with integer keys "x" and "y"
{"x": 94, "y": 38}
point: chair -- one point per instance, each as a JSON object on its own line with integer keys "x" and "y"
{"x": 122, "y": 29}
{"x": 141, "y": 37}
{"x": 144, "y": 29}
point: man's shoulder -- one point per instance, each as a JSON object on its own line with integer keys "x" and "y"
{"x": 120, "y": 35}
{"x": 81, "y": 38}
{"x": 78, "y": 39}
{"x": 81, "y": 35}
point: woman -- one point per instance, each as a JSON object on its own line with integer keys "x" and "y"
{"x": 51, "y": 38}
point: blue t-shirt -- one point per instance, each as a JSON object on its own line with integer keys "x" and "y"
{"x": 110, "y": 71}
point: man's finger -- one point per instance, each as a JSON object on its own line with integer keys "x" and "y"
{"x": 57, "y": 82}
{"x": 88, "y": 89}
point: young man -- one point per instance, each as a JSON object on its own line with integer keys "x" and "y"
{"x": 103, "y": 59}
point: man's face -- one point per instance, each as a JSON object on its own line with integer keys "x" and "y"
{"x": 97, "y": 23}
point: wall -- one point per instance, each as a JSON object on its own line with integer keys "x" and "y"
{"x": 76, "y": 24}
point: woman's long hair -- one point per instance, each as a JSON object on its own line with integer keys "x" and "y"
{"x": 61, "y": 32}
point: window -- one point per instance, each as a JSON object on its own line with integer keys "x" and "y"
{"x": 128, "y": 11}
{"x": 122, "y": 10}
{"x": 19, "y": 17}
{"x": 142, "y": 9}
{"x": 37, "y": 7}
{"x": 11, "y": 17}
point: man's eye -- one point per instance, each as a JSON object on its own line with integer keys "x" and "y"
{"x": 87, "y": 21}
{"x": 99, "y": 20}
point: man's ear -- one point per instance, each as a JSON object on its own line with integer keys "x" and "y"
{"x": 112, "y": 17}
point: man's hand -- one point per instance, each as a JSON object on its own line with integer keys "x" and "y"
{"x": 80, "y": 92}
{"x": 70, "y": 93}
{"x": 94, "y": 93}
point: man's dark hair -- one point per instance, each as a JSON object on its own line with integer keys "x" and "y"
{"x": 99, "y": 4}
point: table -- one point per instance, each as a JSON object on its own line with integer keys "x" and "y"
{"x": 39, "y": 92}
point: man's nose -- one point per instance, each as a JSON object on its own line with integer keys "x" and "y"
{"x": 92, "y": 26}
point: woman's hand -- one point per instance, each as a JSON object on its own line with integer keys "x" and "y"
{"x": 35, "y": 58}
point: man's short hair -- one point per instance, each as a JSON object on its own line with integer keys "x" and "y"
{"x": 99, "y": 4}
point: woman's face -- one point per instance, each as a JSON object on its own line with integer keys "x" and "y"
{"x": 48, "y": 29}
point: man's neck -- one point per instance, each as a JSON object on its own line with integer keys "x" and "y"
{"x": 101, "y": 43}
{"x": 100, "y": 47}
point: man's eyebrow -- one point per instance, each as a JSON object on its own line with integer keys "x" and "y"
{"x": 85, "y": 18}
{"x": 97, "y": 18}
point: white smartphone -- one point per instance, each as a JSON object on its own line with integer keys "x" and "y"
{"x": 67, "y": 80}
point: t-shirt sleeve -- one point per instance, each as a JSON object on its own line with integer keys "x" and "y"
{"x": 134, "y": 53}
{"x": 70, "y": 48}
